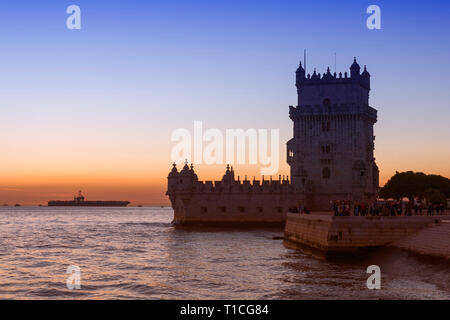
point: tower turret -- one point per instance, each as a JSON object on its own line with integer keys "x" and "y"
{"x": 315, "y": 76}
{"x": 194, "y": 175}
{"x": 187, "y": 176}
{"x": 299, "y": 75}
{"x": 365, "y": 78}
{"x": 355, "y": 69}
{"x": 328, "y": 75}
{"x": 228, "y": 177}
{"x": 173, "y": 177}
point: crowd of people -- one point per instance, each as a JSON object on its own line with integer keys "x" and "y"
{"x": 386, "y": 208}
{"x": 379, "y": 208}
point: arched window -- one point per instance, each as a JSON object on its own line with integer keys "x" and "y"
{"x": 326, "y": 173}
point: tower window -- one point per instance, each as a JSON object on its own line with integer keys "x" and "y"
{"x": 326, "y": 126}
{"x": 326, "y": 102}
{"x": 326, "y": 148}
{"x": 326, "y": 173}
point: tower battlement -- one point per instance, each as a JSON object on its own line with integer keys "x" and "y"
{"x": 186, "y": 181}
{"x": 343, "y": 88}
{"x": 332, "y": 78}
{"x": 230, "y": 200}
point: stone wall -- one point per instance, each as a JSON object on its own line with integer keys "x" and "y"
{"x": 342, "y": 234}
{"x": 433, "y": 241}
{"x": 232, "y": 208}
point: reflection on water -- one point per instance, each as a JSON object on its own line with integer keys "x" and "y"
{"x": 135, "y": 253}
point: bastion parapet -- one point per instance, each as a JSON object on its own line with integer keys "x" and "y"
{"x": 230, "y": 201}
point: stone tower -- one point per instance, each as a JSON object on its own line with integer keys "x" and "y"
{"x": 332, "y": 152}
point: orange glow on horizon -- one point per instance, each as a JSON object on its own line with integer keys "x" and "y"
{"x": 147, "y": 188}
{"x": 138, "y": 173}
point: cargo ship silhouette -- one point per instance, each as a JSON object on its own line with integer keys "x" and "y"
{"x": 79, "y": 201}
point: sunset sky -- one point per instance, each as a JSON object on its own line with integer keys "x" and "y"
{"x": 94, "y": 109}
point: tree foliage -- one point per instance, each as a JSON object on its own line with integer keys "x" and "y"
{"x": 435, "y": 197}
{"x": 415, "y": 184}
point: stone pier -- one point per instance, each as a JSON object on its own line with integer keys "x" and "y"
{"x": 337, "y": 235}
{"x": 432, "y": 241}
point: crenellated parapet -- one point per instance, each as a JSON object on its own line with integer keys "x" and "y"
{"x": 333, "y": 78}
{"x": 245, "y": 186}
{"x": 331, "y": 88}
{"x": 187, "y": 181}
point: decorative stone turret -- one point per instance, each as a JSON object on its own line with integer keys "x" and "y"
{"x": 355, "y": 70}
{"x": 187, "y": 177}
{"x": 228, "y": 177}
{"x": 328, "y": 76}
{"x": 300, "y": 75}
{"x": 173, "y": 177}
{"x": 365, "y": 79}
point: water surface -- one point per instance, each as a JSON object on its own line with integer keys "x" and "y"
{"x": 135, "y": 253}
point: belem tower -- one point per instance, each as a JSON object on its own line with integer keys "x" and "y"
{"x": 331, "y": 157}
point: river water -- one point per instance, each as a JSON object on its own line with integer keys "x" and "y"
{"x": 135, "y": 253}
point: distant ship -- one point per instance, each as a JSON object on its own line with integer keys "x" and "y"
{"x": 79, "y": 201}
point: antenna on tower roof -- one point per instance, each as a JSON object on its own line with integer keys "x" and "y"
{"x": 304, "y": 59}
{"x": 335, "y": 62}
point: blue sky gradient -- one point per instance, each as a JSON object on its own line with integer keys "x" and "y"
{"x": 139, "y": 69}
